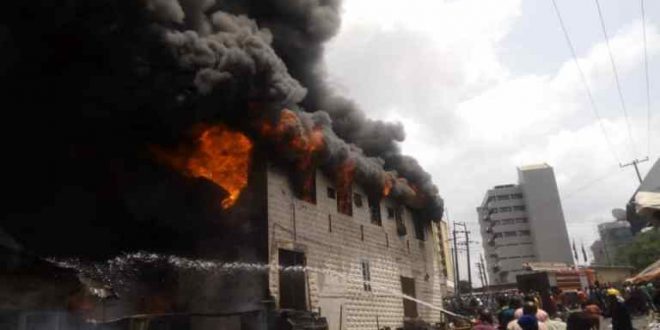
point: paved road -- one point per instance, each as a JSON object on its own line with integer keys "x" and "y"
{"x": 639, "y": 323}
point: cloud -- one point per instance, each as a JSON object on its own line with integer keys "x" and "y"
{"x": 420, "y": 57}
{"x": 434, "y": 66}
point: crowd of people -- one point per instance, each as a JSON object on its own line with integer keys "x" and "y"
{"x": 592, "y": 308}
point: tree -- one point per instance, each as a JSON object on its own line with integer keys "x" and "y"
{"x": 644, "y": 250}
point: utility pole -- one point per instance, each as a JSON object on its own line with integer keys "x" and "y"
{"x": 634, "y": 163}
{"x": 467, "y": 248}
{"x": 481, "y": 274}
{"x": 457, "y": 278}
{"x": 483, "y": 266}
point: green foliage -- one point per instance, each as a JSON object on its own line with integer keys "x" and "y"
{"x": 644, "y": 250}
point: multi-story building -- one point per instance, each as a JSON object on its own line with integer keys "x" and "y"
{"x": 446, "y": 259}
{"x": 614, "y": 236}
{"x": 355, "y": 260}
{"x": 523, "y": 223}
{"x": 361, "y": 256}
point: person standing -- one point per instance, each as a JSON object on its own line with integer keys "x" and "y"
{"x": 621, "y": 319}
{"x": 528, "y": 319}
{"x": 648, "y": 290}
{"x": 506, "y": 315}
{"x": 485, "y": 321}
{"x": 540, "y": 315}
{"x": 582, "y": 321}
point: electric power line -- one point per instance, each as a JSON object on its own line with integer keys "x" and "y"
{"x": 648, "y": 94}
{"x": 591, "y": 183}
{"x": 616, "y": 77}
{"x": 584, "y": 82}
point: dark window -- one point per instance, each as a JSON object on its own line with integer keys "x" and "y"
{"x": 390, "y": 213}
{"x": 398, "y": 217}
{"x": 387, "y": 240}
{"x": 329, "y": 223}
{"x": 305, "y": 186}
{"x": 519, "y": 208}
{"x": 357, "y": 199}
{"x": 366, "y": 275}
{"x": 524, "y": 233}
{"x": 505, "y": 209}
{"x": 374, "y": 209}
{"x": 345, "y": 200}
{"x": 419, "y": 226}
{"x": 331, "y": 193}
{"x": 516, "y": 196}
{"x": 503, "y": 197}
{"x": 419, "y": 231}
{"x": 362, "y": 233}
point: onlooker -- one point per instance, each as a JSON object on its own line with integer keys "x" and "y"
{"x": 528, "y": 320}
{"x": 591, "y": 307}
{"x": 541, "y": 315}
{"x": 621, "y": 319}
{"x": 582, "y": 321}
{"x": 555, "y": 323}
{"x": 648, "y": 290}
{"x": 506, "y": 315}
{"x": 485, "y": 321}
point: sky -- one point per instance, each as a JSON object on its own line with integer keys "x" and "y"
{"x": 483, "y": 87}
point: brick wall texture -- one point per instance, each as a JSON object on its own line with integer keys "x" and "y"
{"x": 334, "y": 257}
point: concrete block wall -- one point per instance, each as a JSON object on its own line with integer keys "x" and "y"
{"x": 334, "y": 278}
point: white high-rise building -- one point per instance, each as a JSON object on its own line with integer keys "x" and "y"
{"x": 523, "y": 223}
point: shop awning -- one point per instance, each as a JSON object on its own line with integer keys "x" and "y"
{"x": 649, "y": 273}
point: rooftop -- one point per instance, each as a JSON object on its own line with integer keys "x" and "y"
{"x": 533, "y": 167}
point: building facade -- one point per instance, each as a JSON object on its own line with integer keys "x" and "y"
{"x": 355, "y": 261}
{"x": 614, "y": 236}
{"x": 358, "y": 257}
{"x": 446, "y": 258}
{"x": 523, "y": 223}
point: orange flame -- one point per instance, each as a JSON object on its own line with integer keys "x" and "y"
{"x": 345, "y": 174}
{"x": 291, "y": 135}
{"x": 300, "y": 139}
{"x": 290, "y": 131}
{"x": 388, "y": 183}
{"x": 220, "y": 155}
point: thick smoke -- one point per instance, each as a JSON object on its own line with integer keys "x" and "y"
{"x": 299, "y": 29}
{"x": 122, "y": 75}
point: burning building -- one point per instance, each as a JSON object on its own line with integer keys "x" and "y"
{"x": 187, "y": 161}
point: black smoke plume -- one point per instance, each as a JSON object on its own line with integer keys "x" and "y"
{"x": 89, "y": 85}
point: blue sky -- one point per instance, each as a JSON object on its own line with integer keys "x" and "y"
{"x": 485, "y": 86}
